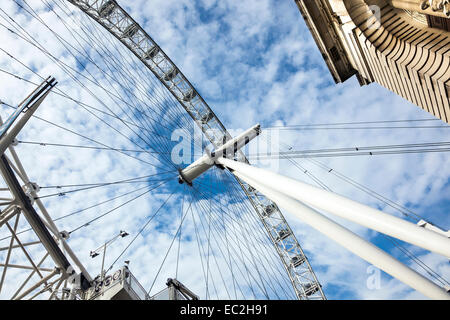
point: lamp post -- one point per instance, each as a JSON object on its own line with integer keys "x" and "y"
{"x": 93, "y": 254}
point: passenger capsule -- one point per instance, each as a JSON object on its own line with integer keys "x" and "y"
{"x": 283, "y": 234}
{"x": 207, "y": 117}
{"x": 271, "y": 208}
{"x": 298, "y": 260}
{"x": 171, "y": 74}
{"x": 106, "y": 9}
{"x": 310, "y": 288}
{"x": 189, "y": 96}
{"x": 130, "y": 31}
{"x": 151, "y": 53}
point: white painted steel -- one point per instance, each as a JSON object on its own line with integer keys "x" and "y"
{"x": 345, "y": 208}
{"x": 350, "y": 240}
{"x": 48, "y": 220}
{"x": 201, "y": 165}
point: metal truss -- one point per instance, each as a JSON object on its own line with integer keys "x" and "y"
{"x": 43, "y": 252}
{"x": 118, "y": 22}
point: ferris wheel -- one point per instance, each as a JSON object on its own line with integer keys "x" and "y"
{"x": 112, "y": 181}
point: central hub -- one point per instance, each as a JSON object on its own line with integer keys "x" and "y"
{"x": 229, "y": 149}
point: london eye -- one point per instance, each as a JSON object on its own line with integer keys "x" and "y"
{"x": 120, "y": 180}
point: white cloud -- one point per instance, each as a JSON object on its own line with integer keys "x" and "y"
{"x": 252, "y": 62}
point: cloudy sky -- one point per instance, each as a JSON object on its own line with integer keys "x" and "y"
{"x": 253, "y": 62}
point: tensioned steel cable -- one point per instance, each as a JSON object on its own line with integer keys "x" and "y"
{"x": 357, "y": 128}
{"x": 136, "y": 102}
{"x": 59, "y": 92}
{"x": 348, "y": 154}
{"x": 395, "y": 242}
{"x": 106, "y": 183}
{"x": 115, "y": 208}
{"x": 419, "y": 262}
{"x": 83, "y": 210}
{"x": 234, "y": 190}
{"x": 179, "y": 237}
{"x": 358, "y": 123}
{"x": 172, "y": 101}
{"x": 202, "y": 251}
{"x": 137, "y": 105}
{"x": 219, "y": 270}
{"x": 245, "y": 230}
{"x": 167, "y": 253}
{"x": 408, "y": 253}
{"x": 295, "y": 163}
{"x": 47, "y": 144}
{"x": 159, "y": 92}
{"x": 239, "y": 253}
{"x": 197, "y": 238}
{"x": 403, "y": 210}
{"x": 56, "y": 60}
{"x": 78, "y": 146}
{"x": 239, "y": 233}
{"x": 361, "y": 148}
{"x": 85, "y": 137}
{"x": 248, "y": 222}
{"x": 64, "y": 66}
{"x": 234, "y": 255}
{"x": 159, "y": 87}
{"x": 229, "y": 262}
{"x": 64, "y": 193}
{"x": 229, "y": 184}
{"x": 150, "y": 219}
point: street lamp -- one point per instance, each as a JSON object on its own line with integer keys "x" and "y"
{"x": 93, "y": 254}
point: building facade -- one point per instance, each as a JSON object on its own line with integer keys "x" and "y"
{"x": 404, "y": 45}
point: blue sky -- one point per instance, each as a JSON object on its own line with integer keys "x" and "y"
{"x": 252, "y": 61}
{"x": 258, "y": 59}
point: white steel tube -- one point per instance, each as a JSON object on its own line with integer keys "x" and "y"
{"x": 48, "y": 220}
{"x": 351, "y": 241}
{"x": 230, "y": 147}
{"x": 345, "y": 208}
{"x": 194, "y": 170}
{"x": 6, "y": 140}
{"x": 36, "y": 285}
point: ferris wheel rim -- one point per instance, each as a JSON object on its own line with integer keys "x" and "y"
{"x": 246, "y": 191}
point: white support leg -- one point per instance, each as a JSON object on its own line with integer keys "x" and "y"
{"x": 343, "y": 207}
{"x": 351, "y": 241}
